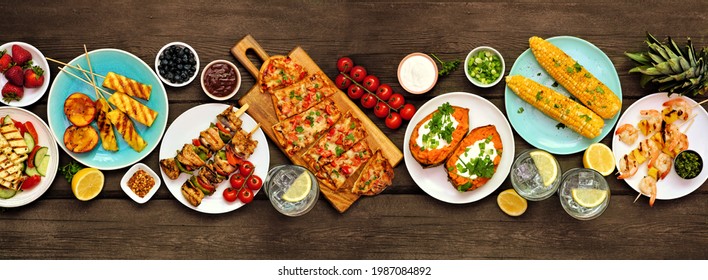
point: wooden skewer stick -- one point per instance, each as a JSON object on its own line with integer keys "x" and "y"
{"x": 700, "y": 103}
{"x": 74, "y": 67}
{"x": 241, "y": 110}
{"x": 93, "y": 78}
{"x": 110, "y": 106}
{"x": 258, "y": 125}
{"x": 75, "y": 76}
{"x": 637, "y": 198}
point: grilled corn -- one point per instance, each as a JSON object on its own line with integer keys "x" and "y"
{"x": 129, "y": 86}
{"x": 557, "y": 106}
{"x": 575, "y": 78}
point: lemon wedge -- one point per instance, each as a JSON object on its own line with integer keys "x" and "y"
{"x": 546, "y": 165}
{"x": 600, "y": 158}
{"x": 299, "y": 189}
{"x": 589, "y": 198}
{"x": 87, "y": 183}
{"x": 511, "y": 203}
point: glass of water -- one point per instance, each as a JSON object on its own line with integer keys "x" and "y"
{"x": 526, "y": 178}
{"x": 584, "y": 193}
{"x": 292, "y": 189}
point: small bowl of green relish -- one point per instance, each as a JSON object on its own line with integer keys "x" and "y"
{"x": 688, "y": 164}
{"x": 484, "y": 67}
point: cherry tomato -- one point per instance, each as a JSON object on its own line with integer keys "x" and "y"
{"x": 31, "y": 182}
{"x": 358, "y": 73}
{"x": 394, "y": 121}
{"x": 254, "y": 182}
{"x": 371, "y": 83}
{"x": 245, "y": 195}
{"x": 384, "y": 92}
{"x": 246, "y": 169}
{"x": 355, "y": 92}
{"x": 407, "y": 111}
{"x": 230, "y": 194}
{"x": 344, "y": 64}
{"x": 381, "y": 109}
{"x": 30, "y": 128}
{"x": 368, "y": 101}
{"x": 342, "y": 82}
{"x": 396, "y": 101}
{"x": 237, "y": 181}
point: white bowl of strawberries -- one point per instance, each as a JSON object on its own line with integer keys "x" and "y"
{"x": 25, "y": 74}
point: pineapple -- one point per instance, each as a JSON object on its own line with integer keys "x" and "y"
{"x": 672, "y": 69}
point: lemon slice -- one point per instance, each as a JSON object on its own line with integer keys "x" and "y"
{"x": 299, "y": 189}
{"x": 511, "y": 203}
{"x": 589, "y": 198}
{"x": 546, "y": 165}
{"x": 87, "y": 183}
{"x": 600, "y": 158}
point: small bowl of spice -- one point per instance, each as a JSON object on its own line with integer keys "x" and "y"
{"x": 177, "y": 64}
{"x": 417, "y": 73}
{"x": 688, "y": 164}
{"x": 140, "y": 183}
{"x": 484, "y": 67}
{"x": 220, "y": 79}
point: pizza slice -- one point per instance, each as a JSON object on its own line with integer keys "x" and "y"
{"x": 279, "y": 72}
{"x": 301, "y": 130}
{"x": 344, "y": 166}
{"x": 294, "y": 99}
{"x": 339, "y": 139}
{"x": 375, "y": 177}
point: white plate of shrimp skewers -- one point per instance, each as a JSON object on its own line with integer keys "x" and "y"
{"x": 649, "y": 135}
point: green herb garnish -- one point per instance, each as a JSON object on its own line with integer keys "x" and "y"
{"x": 446, "y": 67}
{"x": 521, "y": 110}
{"x": 70, "y": 169}
{"x": 560, "y": 126}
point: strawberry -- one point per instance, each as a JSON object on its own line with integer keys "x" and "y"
{"x": 20, "y": 55}
{"x": 5, "y": 61}
{"x": 12, "y": 92}
{"x": 14, "y": 75}
{"x": 34, "y": 77}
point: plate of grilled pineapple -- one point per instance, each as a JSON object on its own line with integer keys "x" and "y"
{"x": 563, "y": 94}
{"x": 109, "y": 113}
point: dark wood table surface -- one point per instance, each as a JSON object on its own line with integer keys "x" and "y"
{"x": 401, "y": 223}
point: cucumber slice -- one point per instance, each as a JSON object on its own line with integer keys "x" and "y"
{"x": 39, "y": 156}
{"x": 7, "y": 193}
{"x": 8, "y": 120}
{"x": 31, "y": 171}
{"x": 42, "y": 167}
{"x": 29, "y": 141}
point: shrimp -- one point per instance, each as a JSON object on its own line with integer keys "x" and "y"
{"x": 674, "y": 141}
{"x": 628, "y": 166}
{"x": 662, "y": 163}
{"x": 676, "y": 109}
{"x": 627, "y": 133}
{"x": 647, "y": 186}
{"x": 649, "y": 149}
{"x": 650, "y": 123}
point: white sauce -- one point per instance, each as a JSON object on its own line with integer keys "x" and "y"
{"x": 424, "y": 130}
{"x": 489, "y": 152}
{"x": 417, "y": 73}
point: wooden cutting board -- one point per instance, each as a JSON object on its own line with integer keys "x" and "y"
{"x": 261, "y": 109}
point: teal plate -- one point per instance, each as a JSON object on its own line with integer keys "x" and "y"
{"x": 540, "y": 130}
{"x": 103, "y": 61}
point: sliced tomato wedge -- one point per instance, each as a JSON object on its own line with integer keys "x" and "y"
{"x": 206, "y": 185}
{"x": 196, "y": 142}
{"x": 30, "y": 128}
{"x": 222, "y": 128}
{"x": 21, "y": 127}
{"x": 30, "y": 160}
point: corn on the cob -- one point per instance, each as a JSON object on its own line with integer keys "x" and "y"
{"x": 129, "y": 86}
{"x": 575, "y": 78}
{"x": 557, "y": 106}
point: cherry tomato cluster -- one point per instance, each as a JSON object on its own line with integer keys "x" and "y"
{"x": 243, "y": 184}
{"x": 361, "y": 85}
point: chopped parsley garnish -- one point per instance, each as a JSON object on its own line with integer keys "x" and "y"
{"x": 569, "y": 69}
{"x": 560, "y": 126}
{"x": 599, "y": 89}
{"x": 521, "y": 110}
{"x": 556, "y": 62}
{"x": 556, "y": 106}
{"x": 555, "y": 84}
{"x": 538, "y": 74}
{"x": 577, "y": 67}
{"x": 464, "y": 187}
{"x": 299, "y": 129}
{"x": 440, "y": 125}
{"x": 586, "y": 117}
{"x": 538, "y": 95}
{"x": 587, "y": 75}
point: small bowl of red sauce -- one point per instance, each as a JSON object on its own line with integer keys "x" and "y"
{"x": 220, "y": 79}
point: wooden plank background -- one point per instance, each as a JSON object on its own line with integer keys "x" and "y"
{"x": 401, "y": 223}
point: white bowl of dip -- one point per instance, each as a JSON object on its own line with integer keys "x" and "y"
{"x": 417, "y": 73}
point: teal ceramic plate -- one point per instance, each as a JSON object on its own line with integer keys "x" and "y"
{"x": 103, "y": 61}
{"x": 540, "y": 130}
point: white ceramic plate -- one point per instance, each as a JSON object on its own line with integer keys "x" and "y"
{"x": 434, "y": 180}
{"x": 187, "y": 127}
{"x": 672, "y": 186}
{"x": 31, "y": 94}
{"x": 45, "y": 139}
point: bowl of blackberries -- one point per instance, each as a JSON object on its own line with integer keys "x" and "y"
{"x": 177, "y": 64}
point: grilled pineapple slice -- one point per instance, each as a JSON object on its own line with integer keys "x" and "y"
{"x": 125, "y": 127}
{"x": 105, "y": 128}
{"x": 127, "y": 85}
{"x": 133, "y": 108}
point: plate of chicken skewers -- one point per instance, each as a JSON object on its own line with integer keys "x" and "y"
{"x": 649, "y": 135}
{"x": 204, "y": 147}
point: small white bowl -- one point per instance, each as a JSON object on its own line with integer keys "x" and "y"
{"x": 238, "y": 80}
{"x": 130, "y": 193}
{"x": 32, "y": 95}
{"x": 157, "y": 63}
{"x": 417, "y": 78}
{"x": 475, "y": 81}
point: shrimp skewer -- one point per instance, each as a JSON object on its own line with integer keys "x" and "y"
{"x": 650, "y": 123}
{"x": 676, "y": 109}
{"x": 647, "y": 186}
{"x": 628, "y": 166}
{"x": 662, "y": 163}
{"x": 627, "y": 133}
